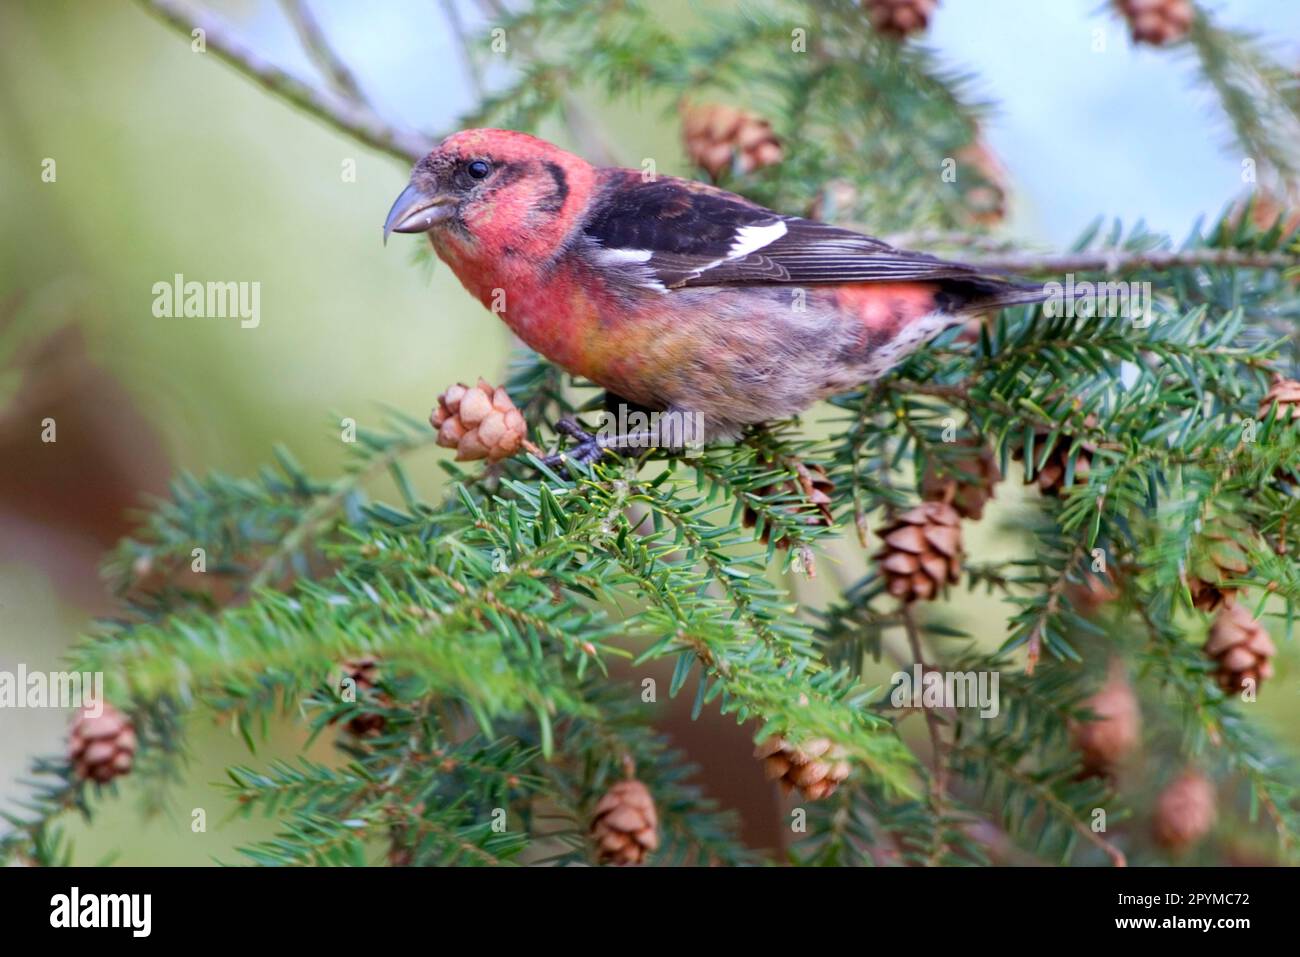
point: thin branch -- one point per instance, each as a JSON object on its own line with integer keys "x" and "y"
{"x": 925, "y": 238}
{"x": 939, "y": 779}
{"x": 1049, "y": 798}
{"x": 1122, "y": 261}
{"x": 318, "y": 49}
{"x": 354, "y": 119}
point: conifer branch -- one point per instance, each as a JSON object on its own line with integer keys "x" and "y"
{"x": 492, "y": 616}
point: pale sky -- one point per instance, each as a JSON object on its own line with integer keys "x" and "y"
{"x": 1125, "y": 132}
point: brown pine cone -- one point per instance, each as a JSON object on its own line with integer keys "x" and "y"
{"x": 922, "y": 551}
{"x": 899, "y": 18}
{"x": 1285, "y": 394}
{"x": 985, "y": 198}
{"x": 1050, "y": 479}
{"x": 625, "y": 826}
{"x": 815, "y": 768}
{"x": 1240, "y": 646}
{"x": 1103, "y": 743}
{"x": 479, "y": 422}
{"x": 964, "y": 480}
{"x": 718, "y": 137}
{"x": 813, "y": 484}
{"x": 1157, "y": 22}
{"x": 1184, "y": 811}
{"x": 1217, "y": 556}
{"x": 364, "y": 673}
{"x": 101, "y": 748}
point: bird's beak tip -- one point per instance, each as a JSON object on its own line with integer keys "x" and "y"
{"x": 415, "y": 211}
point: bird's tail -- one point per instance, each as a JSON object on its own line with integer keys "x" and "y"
{"x": 986, "y": 293}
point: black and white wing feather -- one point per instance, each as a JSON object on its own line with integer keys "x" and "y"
{"x": 676, "y": 233}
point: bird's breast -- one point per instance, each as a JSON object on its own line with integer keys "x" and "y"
{"x": 559, "y": 309}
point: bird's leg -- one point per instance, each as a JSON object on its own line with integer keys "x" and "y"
{"x": 592, "y": 447}
{"x": 587, "y": 450}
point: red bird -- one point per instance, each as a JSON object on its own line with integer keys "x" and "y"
{"x": 673, "y": 294}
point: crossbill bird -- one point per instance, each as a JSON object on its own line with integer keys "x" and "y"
{"x": 675, "y": 295}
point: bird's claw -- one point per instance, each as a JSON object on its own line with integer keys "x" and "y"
{"x": 573, "y": 430}
{"x": 587, "y": 450}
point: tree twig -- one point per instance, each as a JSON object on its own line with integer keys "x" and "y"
{"x": 1116, "y": 261}
{"x": 931, "y": 720}
{"x": 318, "y": 49}
{"x": 939, "y": 777}
{"x": 926, "y": 238}
{"x": 1049, "y": 798}
{"x": 354, "y": 119}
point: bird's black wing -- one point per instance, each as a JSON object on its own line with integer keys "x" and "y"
{"x": 674, "y": 233}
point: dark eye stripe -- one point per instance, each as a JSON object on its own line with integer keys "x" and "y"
{"x": 555, "y": 201}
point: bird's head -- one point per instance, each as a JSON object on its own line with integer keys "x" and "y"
{"x": 486, "y": 184}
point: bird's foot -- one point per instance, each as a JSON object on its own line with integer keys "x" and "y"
{"x": 588, "y": 449}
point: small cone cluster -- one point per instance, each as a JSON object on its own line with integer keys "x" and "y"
{"x": 1217, "y": 557}
{"x": 922, "y": 551}
{"x": 815, "y": 487}
{"x": 479, "y": 422}
{"x": 923, "y": 545}
{"x": 899, "y": 19}
{"x": 718, "y": 137}
{"x": 1157, "y": 22}
{"x": 364, "y": 673}
{"x": 816, "y": 768}
{"x": 965, "y": 480}
{"x": 1104, "y": 742}
{"x": 1241, "y": 649}
{"x": 1184, "y": 811}
{"x": 625, "y": 826}
{"x": 101, "y": 748}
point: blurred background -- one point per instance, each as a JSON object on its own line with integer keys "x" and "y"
{"x": 167, "y": 161}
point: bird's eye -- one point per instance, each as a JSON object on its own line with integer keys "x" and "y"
{"x": 479, "y": 169}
